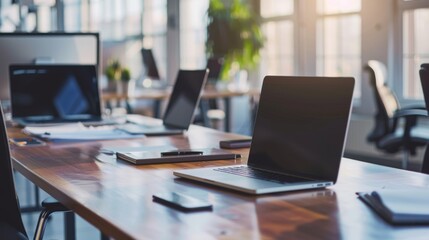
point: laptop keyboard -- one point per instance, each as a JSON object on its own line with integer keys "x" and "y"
{"x": 262, "y": 175}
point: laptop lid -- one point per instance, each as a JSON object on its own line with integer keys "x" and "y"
{"x": 185, "y": 98}
{"x": 54, "y": 93}
{"x": 301, "y": 126}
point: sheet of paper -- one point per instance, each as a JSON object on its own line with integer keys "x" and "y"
{"x": 78, "y": 132}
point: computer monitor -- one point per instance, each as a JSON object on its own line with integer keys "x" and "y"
{"x": 150, "y": 64}
{"x": 45, "y": 48}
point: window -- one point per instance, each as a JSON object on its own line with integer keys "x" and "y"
{"x": 339, "y": 39}
{"x": 124, "y": 27}
{"x": 277, "y": 56}
{"x": 72, "y": 15}
{"x": 155, "y": 32}
{"x": 415, "y": 37}
{"x": 193, "y": 24}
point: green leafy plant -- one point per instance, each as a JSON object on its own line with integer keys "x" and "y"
{"x": 116, "y": 72}
{"x": 125, "y": 75}
{"x": 234, "y": 34}
{"x": 113, "y": 71}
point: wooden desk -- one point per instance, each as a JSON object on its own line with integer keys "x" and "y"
{"x": 159, "y": 95}
{"x": 116, "y": 197}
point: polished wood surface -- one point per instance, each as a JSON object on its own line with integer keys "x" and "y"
{"x": 159, "y": 94}
{"x": 116, "y": 197}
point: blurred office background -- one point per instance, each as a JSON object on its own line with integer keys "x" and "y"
{"x": 302, "y": 37}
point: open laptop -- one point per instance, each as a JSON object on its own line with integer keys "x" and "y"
{"x": 50, "y": 94}
{"x": 298, "y": 139}
{"x": 181, "y": 107}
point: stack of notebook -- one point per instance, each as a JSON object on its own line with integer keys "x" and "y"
{"x": 399, "y": 206}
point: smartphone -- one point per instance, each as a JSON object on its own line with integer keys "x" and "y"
{"x": 239, "y": 143}
{"x": 182, "y": 202}
{"x": 27, "y": 141}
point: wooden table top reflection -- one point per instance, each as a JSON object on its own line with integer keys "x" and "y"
{"x": 162, "y": 94}
{"x": 116, "y": 197}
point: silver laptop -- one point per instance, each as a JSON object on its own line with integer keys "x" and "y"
{"x": 181, "y": 106}
{"x": 298, "y": 139}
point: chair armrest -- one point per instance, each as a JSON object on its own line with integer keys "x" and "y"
{"x": 53, "y": 205}
{"x": 411, "y": 113}
{"x": 423, "y": 107}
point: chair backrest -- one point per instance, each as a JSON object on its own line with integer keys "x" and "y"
{"x": 424, "y": 79}
{"x": 9, "y": 207}
{"x": 385, "y": 99}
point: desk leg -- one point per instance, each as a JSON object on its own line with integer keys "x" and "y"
{"x": 70, "y": 226}
{"x": 128, "y": 106}
{"x": 157, "y": 109}
{"x": 227, "y": 123}
{"x": 204, "y": 108}
{"x": 104, "y": 237}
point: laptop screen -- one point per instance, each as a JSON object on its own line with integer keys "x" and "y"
{"x": 54, "y": 92}
{"x": 301, "y": 125}
{"x": 184, "y": 98}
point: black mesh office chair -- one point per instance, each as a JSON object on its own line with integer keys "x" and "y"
{"x": 388, "y": 134}
{"x": 424, "y": 79}
{"x": 11, "y": 226}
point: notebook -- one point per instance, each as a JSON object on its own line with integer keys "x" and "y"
{"x": 181, "y": 106}
{"x": 298, "y": 139}
{"x": 49, "y": 94}
{"x": 170, "y": 154}
{"x": 405, "y": 206}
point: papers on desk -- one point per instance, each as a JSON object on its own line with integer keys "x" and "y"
{"x": 77, "y": 132}
{"x": 399, "y": 206}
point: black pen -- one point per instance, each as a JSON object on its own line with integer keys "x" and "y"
{"x": 178, "y": 153}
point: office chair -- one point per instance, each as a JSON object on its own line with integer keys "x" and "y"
{"x": 11, "y": 226}
{"x": 388, "y": 135}
{"x": 424, "y": 79}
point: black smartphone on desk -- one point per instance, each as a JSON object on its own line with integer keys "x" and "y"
{"x": 238, "y": 143}
{"x": 181, "y": 202}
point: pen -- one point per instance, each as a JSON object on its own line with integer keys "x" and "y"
{"x": 178, "y": 153}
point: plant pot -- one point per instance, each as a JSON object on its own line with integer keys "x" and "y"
{"x": 111, "y": 86}
{"x": 125, "y": 88}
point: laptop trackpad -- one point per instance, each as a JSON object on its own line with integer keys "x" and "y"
{"x": 240, "y": 181}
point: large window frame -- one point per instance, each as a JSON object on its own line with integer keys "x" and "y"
{"x": 339, "y": 17}
{"x": 403, "y": 6}
{"x": 291, "y": 18}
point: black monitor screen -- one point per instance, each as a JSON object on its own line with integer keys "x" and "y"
{"x": 301, "y": 125}
{"x": 150, "y": 64}
{"x": 54, "y": 92}
{"x": 184, "y": 98}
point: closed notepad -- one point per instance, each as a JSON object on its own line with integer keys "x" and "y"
{"x": 400, "y": 206}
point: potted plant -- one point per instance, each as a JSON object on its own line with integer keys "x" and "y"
{"x": 118, "y": 77}
{"x": 234, "y": 34}
{"x": 125, "y": 80}
{"x": 113, "y": 74}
